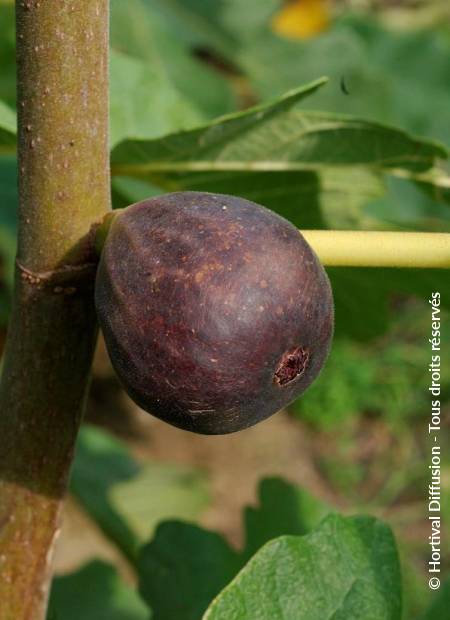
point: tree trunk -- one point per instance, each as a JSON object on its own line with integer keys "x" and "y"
{"x": 62, "y": 55}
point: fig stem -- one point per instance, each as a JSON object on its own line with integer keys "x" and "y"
{"x": 348, "y": 248}
{"x": 64, "y": 188}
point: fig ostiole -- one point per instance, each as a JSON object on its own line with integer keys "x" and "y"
{"x": 215, "y": 311}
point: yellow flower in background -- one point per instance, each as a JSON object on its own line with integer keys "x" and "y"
{"x": 301, "y": 19}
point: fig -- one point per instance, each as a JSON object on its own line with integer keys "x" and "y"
{"x": 215, "y": 311}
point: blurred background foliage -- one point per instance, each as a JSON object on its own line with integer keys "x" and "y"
{"x": 357, "y": 441}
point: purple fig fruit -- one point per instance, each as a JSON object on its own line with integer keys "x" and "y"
{"x": 215, "y": 311}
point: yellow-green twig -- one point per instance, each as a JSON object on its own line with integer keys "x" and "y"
{"x": 348, "y": 248}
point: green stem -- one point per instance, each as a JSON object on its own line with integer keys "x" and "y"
{"x": 62, "y": 54}
{"x": 349, "y": 248}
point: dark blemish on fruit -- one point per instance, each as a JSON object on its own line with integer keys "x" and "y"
{"x": 292, "y": 365}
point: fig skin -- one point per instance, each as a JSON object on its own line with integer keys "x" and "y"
{"x": 215, "y": 311}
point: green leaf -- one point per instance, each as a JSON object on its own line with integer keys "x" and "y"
{"x": 139, "y": 29}
{"x": 153, "y": 107}
{"x": 204, "y": 144}
{"x": 219, "y": 25}
{"x": 157, "y": 85}
{"x": 275, "y": 137}
{"x": 416, "y": 62}
{"x": 274, "y": 64}
{"x": 344, "y": 195}
{"x": 127, "y": 499}
{"x": 241, "y": 33}
{"x": 95, "y": 592}
{"x": 347, "y": 569}
{"x": 411, "y": 206}
{"x": 196, "y": 564}
{"x": 378, "y": 65}
{"x": 283, "y": 509}
{"x": 183, "y": 568}
{"x": 362, "y": 296}
{"x": 440, "y": 603}
{"x": 7, "y": 129}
